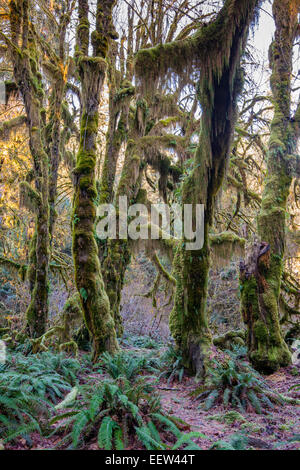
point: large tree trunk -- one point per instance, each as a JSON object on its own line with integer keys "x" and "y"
{"x": 88, "y": 277}
{"x": 261, "y": 274}
{"x": 220, "y": 83}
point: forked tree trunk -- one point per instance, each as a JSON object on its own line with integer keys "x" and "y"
{"x": 219, "y": 86}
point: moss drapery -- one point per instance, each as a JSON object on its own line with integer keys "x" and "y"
{"x": 217, "y": 49}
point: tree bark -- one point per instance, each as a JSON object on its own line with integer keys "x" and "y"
{"x": 31, "y": 89}
{"x": 88, "y": 277}
{"x": 219, "y": 86}
{"x": 260, "y": 284}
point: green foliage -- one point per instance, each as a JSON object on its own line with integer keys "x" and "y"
{"x": 109, "y": 429}
{"x": 29, "y": 386}
{"x": 23, "y": 407}
{"x": 62, "y": 369}
{"x": 126, "y": 364}
{"x": 236, "y": 442}
{"x": 150, "y": 437}
{"x": 121, "y": 407}
{"x": 141, "y": 342}
{"x": 172, "y": 365}
{"x": 236, "y": 384}
{"x": 83, "y": 293}
{"x": 229, "y": 418}
{"x": 19, "y": 409}
{"x": 109, "y": 410}
{"x": 295, "y": 387}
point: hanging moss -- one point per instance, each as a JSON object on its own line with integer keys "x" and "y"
{"x": 29, "y": 198}
{"x": 124, "y": 93}
{"x": 219, "y": 86}
{"x": 8, "y": 126}
{"x": 208, "y": 48}
{"x": 225, "y": 246}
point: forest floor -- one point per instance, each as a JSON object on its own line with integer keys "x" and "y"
{"x": 264, "y": 431}
{"x": 278, "y": 428}
{"x": 274, "y": 429}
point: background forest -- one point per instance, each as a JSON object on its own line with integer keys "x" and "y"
{"x": 145, "y": 344}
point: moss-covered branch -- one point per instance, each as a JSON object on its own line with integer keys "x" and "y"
{"x": 9, "y": 126}
{"x": 208, "y": 48}
{"x": 163, "y": 272}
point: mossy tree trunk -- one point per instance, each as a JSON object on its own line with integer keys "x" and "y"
{"x": 261, "y": 274}
{"x": 120, "y": 95}
{"x": 114, "y": 254}
{"x": 26, "y": 49}
{"x": 53, "y": 137}
{"x": 24, "y": 56}
{"x": 88, "y": 277}
{"x": 118, "y": 251}
{"x": 219, "y": 86}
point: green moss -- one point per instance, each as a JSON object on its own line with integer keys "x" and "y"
{"x": 124, "y": 93}
{"x": 88, "y": 276}
{"x": 260, "y": 331}
{"x": 229, "y": 339}
{"x": 251, "y": 427}
{"x": 267, "y": 350}
{"x": 229, "y": 418}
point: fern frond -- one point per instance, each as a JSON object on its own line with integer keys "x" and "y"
{"x": 105, "y": 434}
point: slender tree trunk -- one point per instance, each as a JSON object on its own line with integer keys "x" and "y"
{"x": 261, "y": 275}
{"x": 118, "y": 252}
{"x": 53, "y": 135}
{"x": 30, "y": 86}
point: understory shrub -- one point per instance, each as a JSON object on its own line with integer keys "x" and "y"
{"x": 120, "y": 410}
{"x": 234, "y": 383}
{"x": 172, "y": 365}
